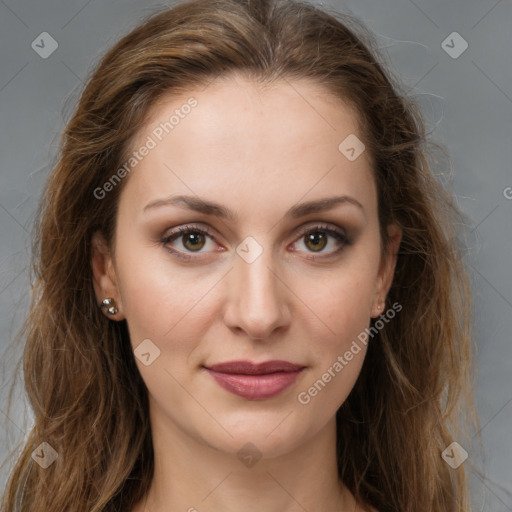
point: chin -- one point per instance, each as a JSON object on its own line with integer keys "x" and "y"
{"x": 267, "y": 439}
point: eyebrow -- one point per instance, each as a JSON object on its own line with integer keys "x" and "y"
{"x": 211, "y": 208}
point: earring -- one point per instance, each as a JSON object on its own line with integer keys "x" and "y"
{"x": 109, "y": 305}
{"x": 380, "y": 308}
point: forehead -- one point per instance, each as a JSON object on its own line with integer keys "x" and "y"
{"x": 237, "y": 103}
{"x": 260, "y": 140}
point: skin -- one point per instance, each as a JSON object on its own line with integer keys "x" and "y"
{"x": 257, "y": 151}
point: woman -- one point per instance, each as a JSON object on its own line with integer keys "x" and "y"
{"x": 248, "y": 292}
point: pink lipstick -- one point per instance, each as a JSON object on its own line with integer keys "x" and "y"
{"x": 255, "y": 381}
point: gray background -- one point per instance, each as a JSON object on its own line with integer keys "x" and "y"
{"x": 467, "y": 103}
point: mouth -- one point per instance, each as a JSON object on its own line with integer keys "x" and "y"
{"x": 255, "y": 381}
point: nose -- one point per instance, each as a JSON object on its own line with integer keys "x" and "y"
{"x": 257, "y": 298}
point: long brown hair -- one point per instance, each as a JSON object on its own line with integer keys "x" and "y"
{"x": 88, "y": 398}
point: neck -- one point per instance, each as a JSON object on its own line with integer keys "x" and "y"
{"x": 192, "y": 476}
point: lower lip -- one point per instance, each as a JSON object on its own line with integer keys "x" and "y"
{"x": 255, "y": 387}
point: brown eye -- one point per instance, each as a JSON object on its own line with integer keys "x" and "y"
{"x": 323, "y": 240}
{"x": 315, "y": 241}
{"x": 193, "y": 240}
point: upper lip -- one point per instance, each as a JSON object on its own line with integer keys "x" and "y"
{"x": 250, "y": 368}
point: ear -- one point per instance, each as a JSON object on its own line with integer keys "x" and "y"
{"x": 386, "y": 270}
{"x": 104, "y": 275}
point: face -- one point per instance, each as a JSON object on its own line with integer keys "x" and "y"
{"x": 253, "y": 265}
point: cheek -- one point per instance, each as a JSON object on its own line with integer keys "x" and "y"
{"x": 159, "y": 298}
{"x": 347, "y": 306}
{"x": 346, "y": 298}
{"x": 340, "y": 353}
{"x": 346, "y": 314}
{"x": 344, "y": 306}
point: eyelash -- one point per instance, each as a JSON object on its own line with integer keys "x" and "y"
{"x": 340, "y": 236}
